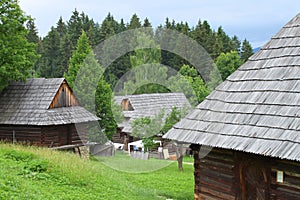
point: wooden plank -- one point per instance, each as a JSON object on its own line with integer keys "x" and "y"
{"x": 64, "y": 97}
{"x": 216, "y": 194}
{"x": 67, "y": 147}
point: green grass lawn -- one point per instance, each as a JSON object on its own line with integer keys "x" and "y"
{"x": 35, "y": 173}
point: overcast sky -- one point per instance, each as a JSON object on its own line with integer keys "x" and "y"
{"x": 256, "y": 20}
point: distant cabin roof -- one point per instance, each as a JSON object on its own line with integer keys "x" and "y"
{"x": 149, "y": 105}
{"x": 257, "y": 108}
{"x": 27, "y": 103}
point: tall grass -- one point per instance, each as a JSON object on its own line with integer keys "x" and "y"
{"x": 41, "y": 173}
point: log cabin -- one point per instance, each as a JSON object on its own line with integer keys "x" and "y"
{"x": 42, "y": 112}
{"x": 145, "y": 105}
{"x": 246, "y": 133}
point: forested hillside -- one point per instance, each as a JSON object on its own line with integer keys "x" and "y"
{"x": 58, "y": 45}
{"x": 69, "y": 45}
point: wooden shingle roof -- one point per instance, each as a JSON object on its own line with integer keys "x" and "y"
{"x": 27, "y": 103}
{"x": 257, "y": 108}
{"x": 149, "y": 105}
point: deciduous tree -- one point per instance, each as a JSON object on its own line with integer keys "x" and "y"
{"x": 227, "y": 63}
{"x": 17, "y": 54}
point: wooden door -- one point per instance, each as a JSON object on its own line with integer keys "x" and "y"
{"x": 254, "y": 181}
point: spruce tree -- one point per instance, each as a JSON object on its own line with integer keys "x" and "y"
{"x": 49, "y": 63}
{"x": 147, "y": 23}
{"x": 236, "y": 44}
{"x": 134, "y": 22}
{"x": 32, "y": 35}
{"x": 61, "y": 28}
{"x": 83, "y": 48}
{"x": 104, "y": 104}
{"x": 107, "y": 27}
{"x": 74, "y": 27}
{"x": 65, "y": 53}
{"x": 246, "y": 50}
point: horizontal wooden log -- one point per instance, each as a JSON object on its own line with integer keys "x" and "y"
{"x": 216, "y": 194}
{"x": 216, "y": 184}
{"x": 66, "y": 147}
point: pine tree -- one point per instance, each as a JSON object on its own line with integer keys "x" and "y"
{"x": 168, "y": 23}
{"x": 147, "y": 23}
{"x": 85, "y": 69}
{"x": 48, "y": 65}
{"x": 107, "y": 27}
{"x": 236, "y": 44}
{"x": 61, "y": 28}
{"x": 121, "y": 27}
{"x": 32, "y": 35}
{"x": 104, "y": 105}
{"x": 206, "y": 38}
{"x": 246, "y": 50}
{"x": 134, "y": 22}
{"x": 74, "y": 27}
{"x": 83, "y": 48}
{"x": 218, "y": 47}
{"x": 65, "y": 53}
{"x": 226, "y": 40}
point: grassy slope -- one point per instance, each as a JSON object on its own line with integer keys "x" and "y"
{"x": 34, "y": 173}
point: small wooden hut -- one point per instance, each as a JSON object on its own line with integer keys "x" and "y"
{"x": 145, "y": 105}
{"x": 42, "y": 112}
{"x": 246, "y": 133}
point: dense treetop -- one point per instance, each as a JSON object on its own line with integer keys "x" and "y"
{"x": 17, "y": 53}
{"x": 57, "y": 46}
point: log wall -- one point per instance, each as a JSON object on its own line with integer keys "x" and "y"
{"x": 290, "y": 188}
{"x": 60, "y": 135}
{"x": 227, "y": 174}
{"x": 49, "y": 136}
{"x": 28, "y": 134}
{"x": 214, "y": 175}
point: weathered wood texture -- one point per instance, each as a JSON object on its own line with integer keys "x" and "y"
{"x": 49, "y": 136}
{"x": 256, "y": 109}
{"x": 227, "y": 174}
{"x": 290, "y": 188}
{"x": 126, "y": 105}
{"x": 214, "y": 175}
{"x": 64, "y": 97}
{"x": 41, "y": 102}
{"x": 64, "y": 134}
{"x": 148, "y": 105}
{"x": 28, "y": 134}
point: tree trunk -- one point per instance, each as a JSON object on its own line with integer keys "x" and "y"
{"x": 180, "y": 167}
{"x": 179, "y": 155}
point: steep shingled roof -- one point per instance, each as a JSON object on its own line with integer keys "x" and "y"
{"x": 149, "y": 105}
{"x": 257, "y": 108}
{"x": 27, "y": 103}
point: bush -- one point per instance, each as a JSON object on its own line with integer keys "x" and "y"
{"x": 18, "y": 156}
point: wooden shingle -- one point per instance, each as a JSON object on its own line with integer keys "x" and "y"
{"x": 149, "y": 105}
{"x": 28, "y": 103}
{"x": 257, "y": 108}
